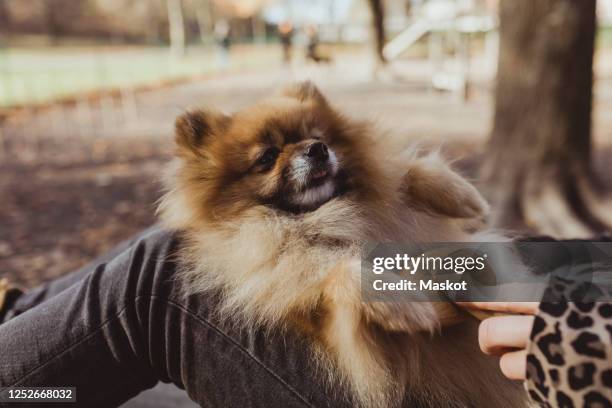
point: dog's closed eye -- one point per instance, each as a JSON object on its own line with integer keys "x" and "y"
{"x": 267, "y": 158}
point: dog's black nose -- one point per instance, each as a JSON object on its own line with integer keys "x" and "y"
{"x": 318, "y": 151}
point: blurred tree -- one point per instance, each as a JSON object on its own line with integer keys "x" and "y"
{"x": 129, "y": 20}
{"x": 538, "y": 162}
{"x": 54, "y": 21}
{"x": 205, "y": 16}
{"x": 408, "y": 7}
{"x": 378, "y": 24}
{"x": 4, "y": 15}
{"x": 176, "y": 24}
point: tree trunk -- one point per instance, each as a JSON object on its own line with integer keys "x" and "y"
{"x": 378, "y": 24}
{"x": 408, "y": 8}
{"x": 538, "y": 163}
{"x": 177, "y": 27}
{"x": 204, "y": 14}
{"x": 5, "y": 18}
{"x": 52, "y": 20}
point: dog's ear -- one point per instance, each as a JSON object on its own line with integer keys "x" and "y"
{"x": 304, "y": 91}
{"x": 430, "y": 185}
{"x": 195, "y": 128}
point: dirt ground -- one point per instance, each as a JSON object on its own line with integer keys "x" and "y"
{"x": 56, "y": 219}
{"x": 71, "y": 191}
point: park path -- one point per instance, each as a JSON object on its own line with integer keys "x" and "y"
{"x": 407, "y": 106}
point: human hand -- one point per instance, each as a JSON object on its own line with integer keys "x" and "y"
{"x": 506, "y": 336}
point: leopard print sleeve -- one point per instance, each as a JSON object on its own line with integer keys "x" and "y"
{"x": 569, "y": 359}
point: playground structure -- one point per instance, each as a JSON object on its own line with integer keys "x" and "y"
{"x": 449, "y": 25}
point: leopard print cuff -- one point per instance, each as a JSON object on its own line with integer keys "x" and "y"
{"x": 569, "y": 360}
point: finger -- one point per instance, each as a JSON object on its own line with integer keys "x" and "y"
{"x": 498, "y": 334}
{"x": 507, "y": 307}
{"x": 514, "y": 364}
{"x": 504, "y": 307}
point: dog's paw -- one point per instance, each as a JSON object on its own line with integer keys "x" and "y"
{"x": 430, "y": 185}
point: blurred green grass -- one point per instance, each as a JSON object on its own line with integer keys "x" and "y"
{"x": 39, "y": 75}
{"x": 604, "y": 37}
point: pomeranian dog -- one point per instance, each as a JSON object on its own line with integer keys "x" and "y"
{"x": 275, "y": 202}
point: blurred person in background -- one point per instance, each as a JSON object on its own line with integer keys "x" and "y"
{"x": 285, "y": 33}
{"x": 312, "y": 45}
{"x": 223, "y": 41}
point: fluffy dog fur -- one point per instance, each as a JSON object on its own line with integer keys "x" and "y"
{"x": 281, "y": 242}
